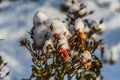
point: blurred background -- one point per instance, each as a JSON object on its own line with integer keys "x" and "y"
{"x": 16, "y": 20}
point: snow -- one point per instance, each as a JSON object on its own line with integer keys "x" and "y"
{"x": 86, "y": 55}
{"x": 74, "y": 7}
{"x": 39, "y": 32}
{"x": 47, "y": 43}
{"x": 59, "y": 27}
{"x": 39, "y": 17}
{"x": 79, "y": 25}
{"x": 63, "y": 41}
{"x": 82, "y": 11}
{"x": 16, "y": 19}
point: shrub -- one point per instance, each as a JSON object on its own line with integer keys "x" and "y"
{"x": 65, "y": 48}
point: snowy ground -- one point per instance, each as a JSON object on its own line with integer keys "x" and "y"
{"x": 16, "y": 20}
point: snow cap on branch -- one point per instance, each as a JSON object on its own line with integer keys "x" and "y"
{"x": 82, "y": 11}
{"x": 67, "y": 3}
{"x": 94, "y": 24}
{"x": 75, "y": 7}
{"x": 39, "y": 18}
{"x": 102, "y": 26}
{"x": 86, "y": 55}
{"x": 59, "y": 27}
{"x": 48, "y": 46}
{"x": 63, "y": 42}
{"x": 79, "y": 25}
{"x": 40, "y": 23}
{"x": 39, "y": 34}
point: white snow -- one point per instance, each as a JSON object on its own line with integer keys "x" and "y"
{"x": 82, "y": 11}
{"x": 79, "y": 25}
{"x": 63, "y": 42}
{"x": 74, "y": 7}
{"x": 39, "y": 17}
{"x": 47, "y": 43}
{"x": 59, "y": 27}
{"x": 39, "y": 32}
{"x": 86, "y": 55}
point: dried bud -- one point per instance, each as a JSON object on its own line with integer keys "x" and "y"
{"x": 27, "y": 41}
{"x": 76, "y": 57}
{"x": 64, "y": 54}
{"x": 51, "y": 27}
{"x": 56, "y": 36}
{"x": 35, "y": 46}
{"x": 22, "y": 41}
{"x": 82, "y": 35}
{"x": 87, "y": 66}
{"x": 49, "y": 47}
{"x": 82, "y": 47}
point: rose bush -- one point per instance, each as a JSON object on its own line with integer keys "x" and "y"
{"x": 61, "y": 49}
